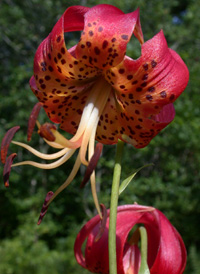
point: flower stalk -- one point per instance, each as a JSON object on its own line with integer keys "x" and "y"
{"x": 113, "y": 208}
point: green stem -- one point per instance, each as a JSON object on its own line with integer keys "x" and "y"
{"x": 113, "y": 209}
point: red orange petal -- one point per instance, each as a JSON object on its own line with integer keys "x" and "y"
{"x": 143, "y": 87}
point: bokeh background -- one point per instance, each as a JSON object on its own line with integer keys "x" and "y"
{"x": 172, "y": 184}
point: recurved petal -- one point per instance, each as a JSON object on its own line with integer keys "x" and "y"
{"x": 144, "y": 86}
{"x": 157, "y": 78}
{"x": 139, "y": 130}
{"x": 171, "y": 256}
{"x": 56, "y": 69}
{"x": 107, "y": 30}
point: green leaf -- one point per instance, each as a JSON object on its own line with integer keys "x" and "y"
{"x": 126, "y": 182}
{"x": 144, "y": 269}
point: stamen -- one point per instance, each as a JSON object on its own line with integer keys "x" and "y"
{"x": 45, "y": 206}
{"x": 92, "y": 164}
{"x": 54, "y": 144}
{"x": 89, "y": 105}
{"x": 32, "y": 120}
{"x": 102, "y": 97}
{"x": 92, "y": 177}
{"x": 7, "y": 169}
{"x": 69, "y": 179}
{"x": 42, "y": 155}
{"x": 46, "y": 131}
{"x": 53, "y": 165}
{"x": 6, "y": 142}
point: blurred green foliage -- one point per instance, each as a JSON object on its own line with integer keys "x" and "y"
{"x": 171, "y": 185}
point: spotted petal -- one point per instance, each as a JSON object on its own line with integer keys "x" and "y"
{"x": 144, "y": 86}
{"x": 59, "y": 108}
{"x": 107, "y": 31}
{"x": 56, "y": 69}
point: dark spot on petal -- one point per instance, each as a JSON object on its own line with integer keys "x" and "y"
{"x": 124, "y": 37}
{"x": 50, "y": 68}
{"x": 145, "y": 66}
{"x": 89, "y": 24}
{"x": 153, "y": 63}
{"x": 149, "y": 97}
{"x": 172, "y": 97}
{"x": 129, "y": 77}
{"x": 58, "y": 39}
{"x": 151, "y": 89}
{"x": 55, "y": 101}
{"x": 139, "y": 89}
{"x": 105, "y": 44}
{"x": 121, "y": 71}
{"x": 97, "y": 50}
{"x": 59, "y": 56}
{"x": 91, "y": 33}
{"x": 63, "y": 50}
{"x": 144, "y": 84}
{"x": 134, "y": 82}
{"x": 47, "y": 77}
{"x": 100, "y": 29}
{"x": 88, "y": 44}
{"x": 113, "y": 40}
{"x": 43, "y": 86}
{"x": 163, "y": 94}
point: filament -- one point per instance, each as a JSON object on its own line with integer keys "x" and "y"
{"x": 42, "y": 155}
{"x": 53, "y": 165}
{"x": 69, "y": 179}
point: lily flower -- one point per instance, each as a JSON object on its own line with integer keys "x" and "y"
{"x": 166, "y": 252}
{"x": 96, "y": 92}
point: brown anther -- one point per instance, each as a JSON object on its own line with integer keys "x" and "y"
{"x": 6, "y": 142}
{"x": 92, "y": 164}
{"x": 45, "y": 207}
{"x": 32, "y": 120}
{"x": 7, "y": 169}
{"x": 103, "y": 222}
{"x": 45, "y": 132}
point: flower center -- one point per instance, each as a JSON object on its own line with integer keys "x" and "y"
{"x": 84, "y": 138}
